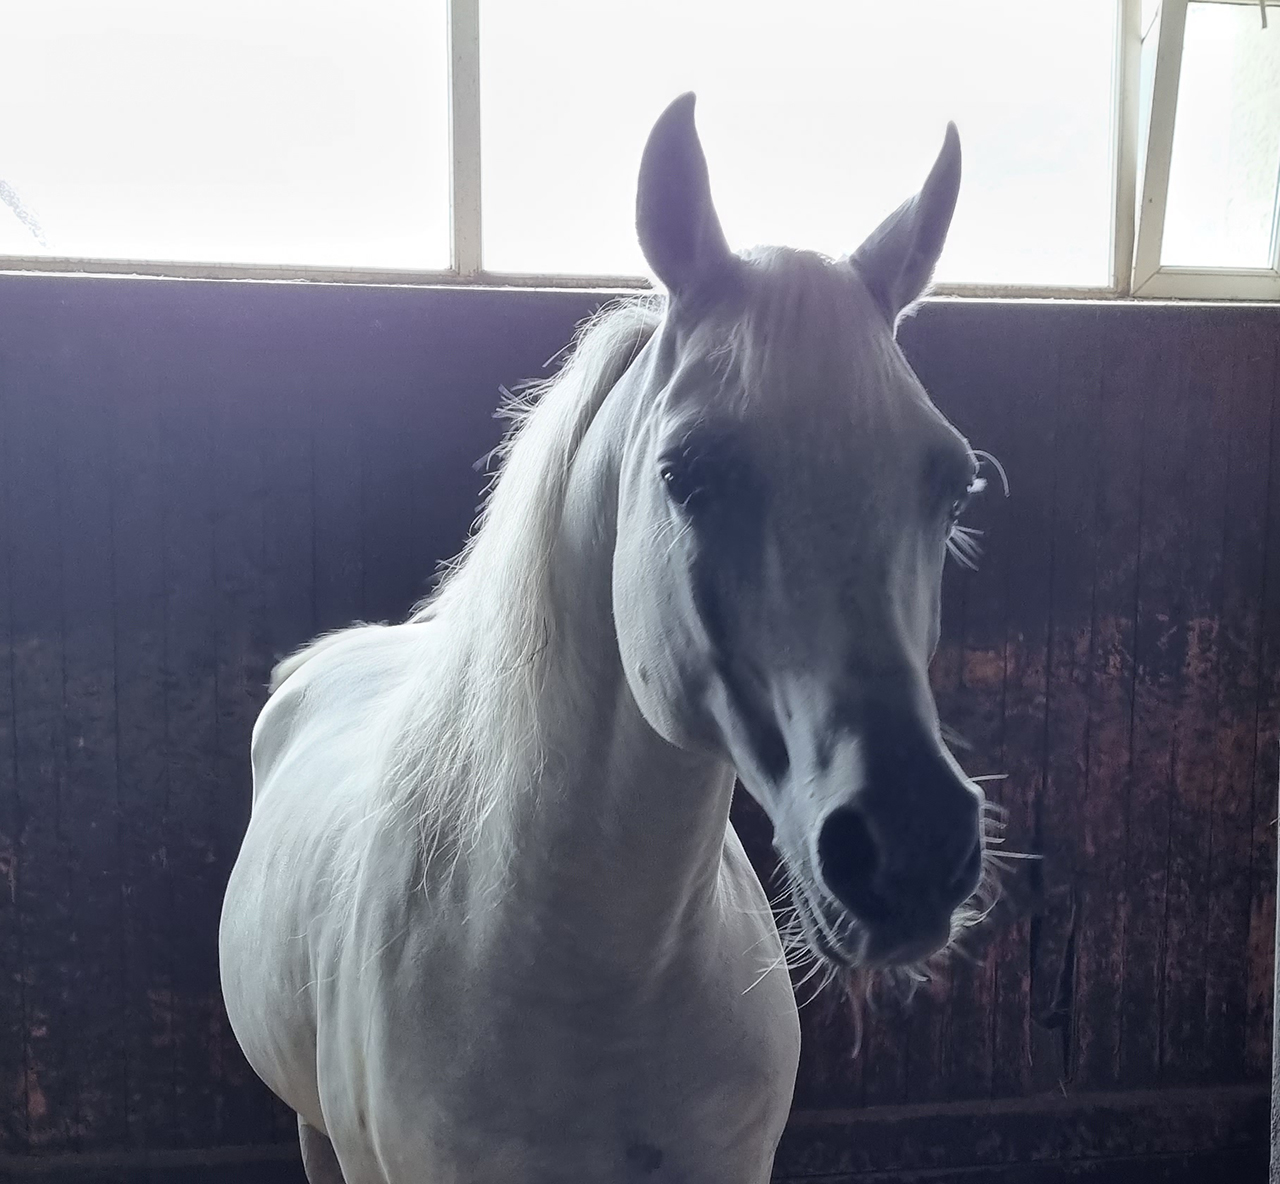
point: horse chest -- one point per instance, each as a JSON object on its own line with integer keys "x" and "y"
{"x": 684, "y": 1081}
{"x": 668, "y": 1117}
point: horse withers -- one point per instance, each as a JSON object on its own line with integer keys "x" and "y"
{"x": 490, "y": 923}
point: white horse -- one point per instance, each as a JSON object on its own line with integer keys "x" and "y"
{"x": 490, "y": 924}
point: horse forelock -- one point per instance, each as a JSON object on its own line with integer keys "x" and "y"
{"x": 802, "y": 350}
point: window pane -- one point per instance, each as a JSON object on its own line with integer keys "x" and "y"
{"x": 235, "y": 131}
{"x": 1226, "y": 141}
{"x": 819, "y": 117}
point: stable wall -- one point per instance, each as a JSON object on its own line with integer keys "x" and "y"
{"x": 197, "y": 477}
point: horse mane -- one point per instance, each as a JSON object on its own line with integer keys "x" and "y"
{"x": 521, "y": 513}
{"x": 472, "y": 728}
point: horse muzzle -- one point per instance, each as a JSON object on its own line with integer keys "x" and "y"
{"x": 902, "y": 876}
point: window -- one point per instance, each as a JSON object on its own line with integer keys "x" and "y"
{"x": 498, "y": 140}
{"x": 227, "y": 131}
{"x": 1209, "y": 220}
{"x": 817, "y": 119}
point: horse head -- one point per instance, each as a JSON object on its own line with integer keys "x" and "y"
{"x": 786, "y": 501}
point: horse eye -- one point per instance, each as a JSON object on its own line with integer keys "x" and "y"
{"x": 704, "y": 472}
{"x": 683, "y": 482}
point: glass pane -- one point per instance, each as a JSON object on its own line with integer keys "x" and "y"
{"x": 819, "y": 117}
{"x": 1226, "y": 141}
{"x": 235, "y": 131}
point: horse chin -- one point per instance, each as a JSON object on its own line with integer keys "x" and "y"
{"x": 886, "y": 951}
{"x": 845, "y": 943}
{"x": 838, "y": 939}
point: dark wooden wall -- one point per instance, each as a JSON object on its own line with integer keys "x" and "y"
{"x": 1117, "y": 656}
{"x": 196, "y": 477}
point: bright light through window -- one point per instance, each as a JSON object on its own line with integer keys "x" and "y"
{"x": 237, "y": 131}
{"x": 1226, "y": 142}
{"x": 818, "y": 117}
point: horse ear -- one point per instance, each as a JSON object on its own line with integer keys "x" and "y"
{"x": 898, "y": 258}
{"x": 676, "y": 221}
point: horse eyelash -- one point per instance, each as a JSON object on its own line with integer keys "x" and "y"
{"x": 963, "y": 546}
{"x": 962, "y": 541}
{"x": 988, "y": 458}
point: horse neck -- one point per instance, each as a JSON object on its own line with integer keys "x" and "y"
{"x": 618, "y": 841}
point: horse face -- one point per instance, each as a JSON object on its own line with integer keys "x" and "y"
{"x": 784, "y": 514}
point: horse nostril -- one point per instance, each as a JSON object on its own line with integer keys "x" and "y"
{"x": 849, "y": 860}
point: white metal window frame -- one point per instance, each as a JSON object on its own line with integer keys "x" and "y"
{"x": 1160, "y": 71}
{"x": 1136, "y": 230}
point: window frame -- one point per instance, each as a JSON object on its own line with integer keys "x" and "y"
{"x": 1141, "y": 149}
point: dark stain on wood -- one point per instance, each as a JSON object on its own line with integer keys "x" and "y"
{"x": 197, "y": 478}
{"x": 644, "y": 1157}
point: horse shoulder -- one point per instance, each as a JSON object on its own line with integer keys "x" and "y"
{"x": 347, "y": 676}
{"x": 286, "y": 915}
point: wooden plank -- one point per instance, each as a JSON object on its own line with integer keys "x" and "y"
{"x": 1019, "y": 543}
{"x": 1069, "y": 681}
{"x": 1007, "y": 950}
{"x": 1196, "y": 516}
{"x": 253, "y": 1164}
{"x": 89, "y": 806}
{"x": 246, "y": 426}
{"x": 289, "y": 557}
{"x": 1114, "y": 518}
{"x": 141, "y": 518}
{"x": 1262, "y": 907}
{"x": 1160, "y": 648}
{"x": 1225, "y": 915}
{"x": 1123, "y": 1135}
{"x": 13, "y": 1017}
{"x": 924, "y": 1032}
{"x": 31, "y": 465}
{"x": 1243, "y": 1163}
{"x": 393, "y": 561}
{"x": 338, "y": 492}
{"x": 969, "y": 1056}
{"x": 292, "y": 561}
{"x": 190, "y": 385}
{"x": 997, "y": 695}
{"x": 973, "y": 704}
